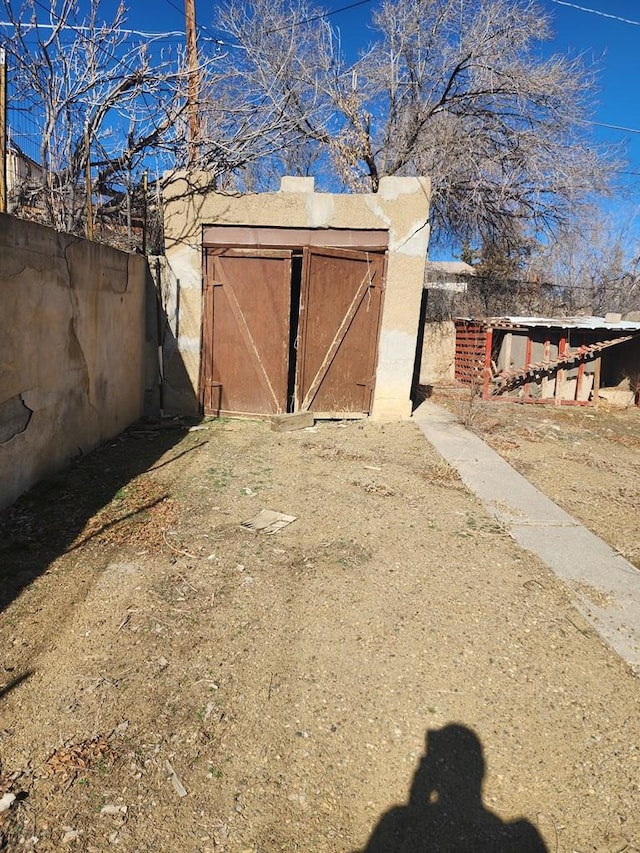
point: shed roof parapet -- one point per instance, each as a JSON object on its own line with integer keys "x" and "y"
{"x": 290, "y": 184}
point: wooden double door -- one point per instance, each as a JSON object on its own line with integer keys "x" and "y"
{"x": 288, "y": 330}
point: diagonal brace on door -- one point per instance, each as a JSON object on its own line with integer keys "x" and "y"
{"x": 249, "y": 341}
{"x": 363, "y": 287}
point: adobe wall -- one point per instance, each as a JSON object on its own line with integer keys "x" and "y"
{"x": 401, "y": 207}
{"x": 438, "y": 353}
{"x": 74, "y": 362}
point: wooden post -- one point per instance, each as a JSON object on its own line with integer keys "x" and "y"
{"x": 580, "y": 378}
{"x": 506, "y": 351}
{"x": 486, "y": 373}
{"x": 193, "y": 82}
{"x": 528, "y": 348}
{"x": 560, "y": 373}
{"x": 145, "y": 190}
{"x": 128, "y": 207}
{"x": 597, "y": 379}
{"x": 544, "y": 385}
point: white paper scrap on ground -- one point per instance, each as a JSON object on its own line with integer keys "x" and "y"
{"x": 7, "y": 801}
{"x": 268, "y": 521}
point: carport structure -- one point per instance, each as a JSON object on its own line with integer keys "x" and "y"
{"x": 566, "y": 360}
{"x": 298, "y": 301}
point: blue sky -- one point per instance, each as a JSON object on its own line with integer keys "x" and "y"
{"x": 613, "y": 45}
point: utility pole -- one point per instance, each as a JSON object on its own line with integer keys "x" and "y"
{"x": 193, "y": 82}
{"x": 3, "y": 131}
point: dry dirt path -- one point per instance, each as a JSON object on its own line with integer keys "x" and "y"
{"x": 290, "y": 680}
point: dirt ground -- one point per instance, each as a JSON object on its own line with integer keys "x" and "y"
{"x": 171, "y": 681}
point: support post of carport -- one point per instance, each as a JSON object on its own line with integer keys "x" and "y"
{"x": 486, "y": 378}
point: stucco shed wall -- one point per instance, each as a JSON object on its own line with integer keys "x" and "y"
{"x": 72, "y": 349}
{"x": 401, "y": 207}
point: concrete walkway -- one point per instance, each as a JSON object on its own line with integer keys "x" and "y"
{"x": 539, "y": 525}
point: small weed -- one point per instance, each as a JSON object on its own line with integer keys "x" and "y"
{"x": 219, "y": 477}
{"x": 215, "y": 772}
{"x": 205, "y": 712}
{"x": 120, "y": 495}
{"x": 259, "y": 472}
{"x": 470, "y": 406}
{"x": 442, "y": 475}
{"x": 492, "y": 527}
{"x": 495, "y": 527}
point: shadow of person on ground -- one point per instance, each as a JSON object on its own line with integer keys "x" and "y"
{"x": 445, "y": 813}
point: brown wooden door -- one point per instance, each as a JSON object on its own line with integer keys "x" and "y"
{"x": 340, "y": 306}
{"x": 245, "y": 336}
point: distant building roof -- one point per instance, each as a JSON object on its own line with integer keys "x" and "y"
{"x": 447, "y": 275}
{"x": 450, "y": 267}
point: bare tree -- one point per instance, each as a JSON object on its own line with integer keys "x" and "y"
{"x": 594, "y": 267}
{"x": 109, "y": 108}
{"x": 268, "y": 100}
{"x": 453, "y": 90}
{"x": 101, "y": 105}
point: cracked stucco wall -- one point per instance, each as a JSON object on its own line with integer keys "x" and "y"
{"x": 72, "y": 349}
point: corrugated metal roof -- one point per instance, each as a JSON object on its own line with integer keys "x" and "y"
{"x": 587, "y": 323}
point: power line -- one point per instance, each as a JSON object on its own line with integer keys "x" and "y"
{"x": 181, "y": 12}
{"x": 82, "y": 30}
{"x": 96, "y": 44}
{"x": 202, "y": 27}
{"x": 302, "y": 22}
{"x": 173, "y": 6}
{"x": 596, "y": 12}
{"x": 320, "y": 16}
{"x": 613, "y": 126}
{"x": 99, "y": 47}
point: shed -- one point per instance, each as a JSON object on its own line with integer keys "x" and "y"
{"x": 566, "y": 360}
{"x": 295, "y": 300}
